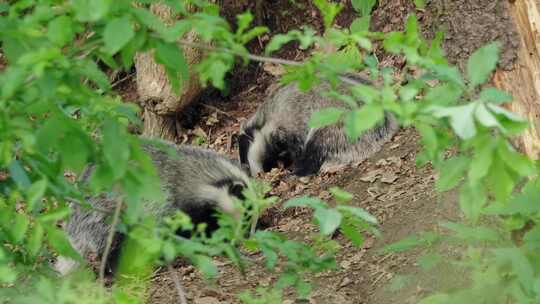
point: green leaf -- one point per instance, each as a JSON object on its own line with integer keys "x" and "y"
{"x": 341, "y": 195}
{"x": 394, "y": 42}
{"x": 519, "y": 262}
{"x": 149, "y": 19}
{"x": 484, "y": 117}
{"x": 252, "y": 33}
{"x": 359, "y": 213}
{"x": 171, "y": 56}
{"x": 471, "y": 201}
{"x": 60, "y": 30}
{"x": 325, "y": 117}
{"x": 420, "y": 4}
{"x": 451, "y": 173}
{"x": 411, "y": 242}
{"x": 447, "y": 73}
{"x": 363, "y": 7}
{"x": 525, "y": 203}
{"x": 243, "y": 21}
{"x": 494, "y": 95}
{"x": 169, "y": 253}
{"x": 429, "y": 136}
{"x": 358, "y": 121}
{"x": 74, "y": 150}
{"x": 408, "y": 92}
{"x": 11, "y": 80}
{"x": 35, "y": 239}
{"x": 481, "y": 161}
{"x": 18, "y": 174}
{"x": 128, "y": 51}
{"x": 206, "y": 266}
{"x": 505, "y": 113}
{"x": 429, "y": 260}
{"x": 361, "y": 24}
{"x": 90, "y": 69}
{"x": 444, "y": 95}
{"x": 328, "y": 10}
{"x": 461, "y": 118}
{"x": 512, "y": 123}
{"x": 35, "y": 193}
{"x": 59, "y": 242}
{"x": 411, "y": 31}
{"x": 7, "y": 274}
{"x": 328, "y": 220}
{"x": 118, "y": 32}
{"x": 473, "y": 234}
{"x": 481, "y": 63}
{"x": 531, "y": 239}
{"x": 91, "y": 10}
{"x": 365, "y": 93}
{"x": 139, "y": 250}
{"x": 277, "y": 42}
{"x": 352, "y": 233}
{"x": 18, "y": 227}
{"x": 54, "y": 215}
{"x": 305, "y": 201}
{"x": 116, "y": 147}
{"x": 501, "y": 183}
{"x": 519, "y": 163}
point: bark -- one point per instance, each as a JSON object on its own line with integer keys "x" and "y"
{"x": 159, "y": 126}
{"x": 523, "y": 81}
{"x": 160, "y": 102}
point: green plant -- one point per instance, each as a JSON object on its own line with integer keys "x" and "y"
{"x": 58, "y": 113}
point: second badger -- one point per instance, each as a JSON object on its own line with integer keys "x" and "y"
{"x": 197, "y": 182}
{"x": 279, "y": 131}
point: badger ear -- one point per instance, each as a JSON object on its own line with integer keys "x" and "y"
{"x": 236, "y": 190}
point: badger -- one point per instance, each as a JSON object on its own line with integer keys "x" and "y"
{"x": 279, "y": 132}
{"x": 197, "y": 182}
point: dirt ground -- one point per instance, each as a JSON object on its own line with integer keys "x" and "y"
{"x": 388, "y": 185}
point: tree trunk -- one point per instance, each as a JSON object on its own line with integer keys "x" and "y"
{"x": 523, "y": 81}
{"x": 159, "y": 126}
{"x": 155, "y": 92}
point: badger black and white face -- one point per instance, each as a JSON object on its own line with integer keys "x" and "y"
{"x": 252, "y": 146}
{"x": 211, "y": 198}
{"x": 279, "y": 132}
{"x": 199, "y": 182}
{"x": 262, "y": 148}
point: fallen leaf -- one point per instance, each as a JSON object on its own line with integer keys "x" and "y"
{"x": 273, "y": 69}
{"x": 389, "y": 177}
{"x": 206, "y": 300}
{"x": 371, "y": 176}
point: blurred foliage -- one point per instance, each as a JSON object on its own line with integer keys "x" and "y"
{"x": 58, "y": 114}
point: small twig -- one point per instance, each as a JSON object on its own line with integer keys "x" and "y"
{"x": 119, "y": 81}
{"x": 179, "y": 288}
{"x": 219, "y": 111}
{"x": 258, "y": 58}
{"x": 110, "y": 238}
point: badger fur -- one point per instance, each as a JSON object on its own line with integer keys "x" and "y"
{"x": 196, "y": 182}
{"x": 279, "y": 132}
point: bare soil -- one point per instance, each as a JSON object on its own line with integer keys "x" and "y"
{"x": 389, "y": 185}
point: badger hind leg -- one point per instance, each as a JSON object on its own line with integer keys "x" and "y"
{"x": 87, "y": 231}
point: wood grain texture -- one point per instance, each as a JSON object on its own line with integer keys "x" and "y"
{"x": 155, "y": 92}
{"x": 523, "y": 81}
